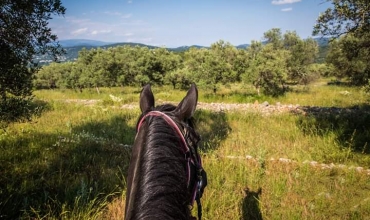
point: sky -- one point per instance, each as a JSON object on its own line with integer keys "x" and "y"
{"x": 175, "y": 23}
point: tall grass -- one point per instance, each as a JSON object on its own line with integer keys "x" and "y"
{"x": 316, "y": 95}
{"x": 71, "y": 162}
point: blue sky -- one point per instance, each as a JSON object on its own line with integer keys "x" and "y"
{"x": 173, "y": 23}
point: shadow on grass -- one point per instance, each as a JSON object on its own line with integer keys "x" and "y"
{"x": 15, "y": 109}
{"x": 213, "y": 128}
{"x": 350, "y": 125}
{"x": 47, "y": 174}
{"x": 250, "y": 205}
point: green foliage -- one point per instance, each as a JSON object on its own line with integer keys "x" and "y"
{"x": 268, "y": 70}
{"x": 282, "y": 58}
{"x": 345, "y": 16}
{"x": 351, "y": 58}
{"x": 221, "y": 64}
{"x": 303, "y": 54}
{"x": 179, "y": 78}
{"x": 214, "y": 66}
{"x": 315, "y": 71}
{"x": 367, "y": 88}
{"x": 15, "y": 109}
{"x": 350, "y": 55}
{"x": 274, "y": 37}
{"x": 115, "y": 66}
{"x": 24, "y": 33}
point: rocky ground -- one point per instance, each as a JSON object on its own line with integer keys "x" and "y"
{"x": 264, "y": 108}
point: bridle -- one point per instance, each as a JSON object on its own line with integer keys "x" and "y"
{"x": 189, "y": 148}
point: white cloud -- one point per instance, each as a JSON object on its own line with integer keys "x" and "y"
{"x": 283, "y": 2}
{"x": 129, "y": 1}
{"x": 113, "y": 13}
{"x": 286, "y": 9}
{"x": 95, "y": 32}
{"x": 79, "y": 31}
{"x": 76, "y": 20}
{"x": 127, "y": 16}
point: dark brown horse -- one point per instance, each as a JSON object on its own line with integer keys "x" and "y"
{"x": 165, "y": 176}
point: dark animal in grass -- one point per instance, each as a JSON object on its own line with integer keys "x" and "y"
{"x": 165, "y": 175}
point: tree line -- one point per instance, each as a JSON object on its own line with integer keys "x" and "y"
{"x": 268, "y": 65}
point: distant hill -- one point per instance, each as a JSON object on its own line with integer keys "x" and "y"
{"x": 185, "y": 48}
{"x": 83, "y": 42}
{"x": 322, "y": 41}
{"x": 243, "y": 46}
{"x": 129, "y": 44}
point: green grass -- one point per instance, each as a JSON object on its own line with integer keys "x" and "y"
{"x": 315, "y": 95}
{"x": 71, "y": 162}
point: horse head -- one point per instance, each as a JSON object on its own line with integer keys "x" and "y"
{"x": 165, "y": 174}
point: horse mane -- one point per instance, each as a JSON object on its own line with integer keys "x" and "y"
{"x": 161, "y": 191}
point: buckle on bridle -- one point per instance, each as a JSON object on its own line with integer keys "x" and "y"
{"x": 201, "y": 182}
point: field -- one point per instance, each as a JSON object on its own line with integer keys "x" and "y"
{"x": 313, "y": 163}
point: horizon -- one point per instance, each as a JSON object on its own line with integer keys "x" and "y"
{"x": 164, "y": 23}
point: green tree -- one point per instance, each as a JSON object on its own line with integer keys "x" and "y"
{"x": 179, "y": 78}
{"x": 24, "y": 32}
{"x": 214, "y": 66}
{"x": 345, "y": 16}
{"x": 126, "y": 58}
{"x": 53, "y": 76}
{"x": 267, "y": 70}
{"x": 349, "y": 20}
{"x": 274, "y": 37}
{"x": 350, "y": 59}
{"x": 195, "y": 63}
{"x": 303, "y": 53}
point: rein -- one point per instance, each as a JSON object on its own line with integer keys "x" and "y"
{"x": 191, "y": 156}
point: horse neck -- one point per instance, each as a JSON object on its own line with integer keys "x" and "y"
{"x": 157, "y": 181}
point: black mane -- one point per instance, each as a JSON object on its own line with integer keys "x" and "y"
{"x": 162, "y": 164}
{"x": 158, "y": 182}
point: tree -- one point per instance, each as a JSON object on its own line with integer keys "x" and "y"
{"x": 346, "y": 16}
{"x": 24, "y": 32}
{"x": 349, "y": 20}
{"x": 211, "y": 67}
{"x": 350, "y": 59}
{"x": 303, "y": 54}
{"x": 274, "y": 37}
{"x": 267, "y": 69}
{"x": 53, "y": 76}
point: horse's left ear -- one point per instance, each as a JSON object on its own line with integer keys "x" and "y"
{"x": 146, "y": 99}
{"x": 187, "y": 106}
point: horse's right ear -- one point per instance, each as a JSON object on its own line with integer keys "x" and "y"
{"x": 186, "y": 108}
{"x": 146, "y": 99}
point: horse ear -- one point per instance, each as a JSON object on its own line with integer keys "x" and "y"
{"x": 146, "y": 99}
{"x": 187, "y": 106}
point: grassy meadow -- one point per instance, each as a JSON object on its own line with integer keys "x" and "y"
{"x": 71, "y": 162}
